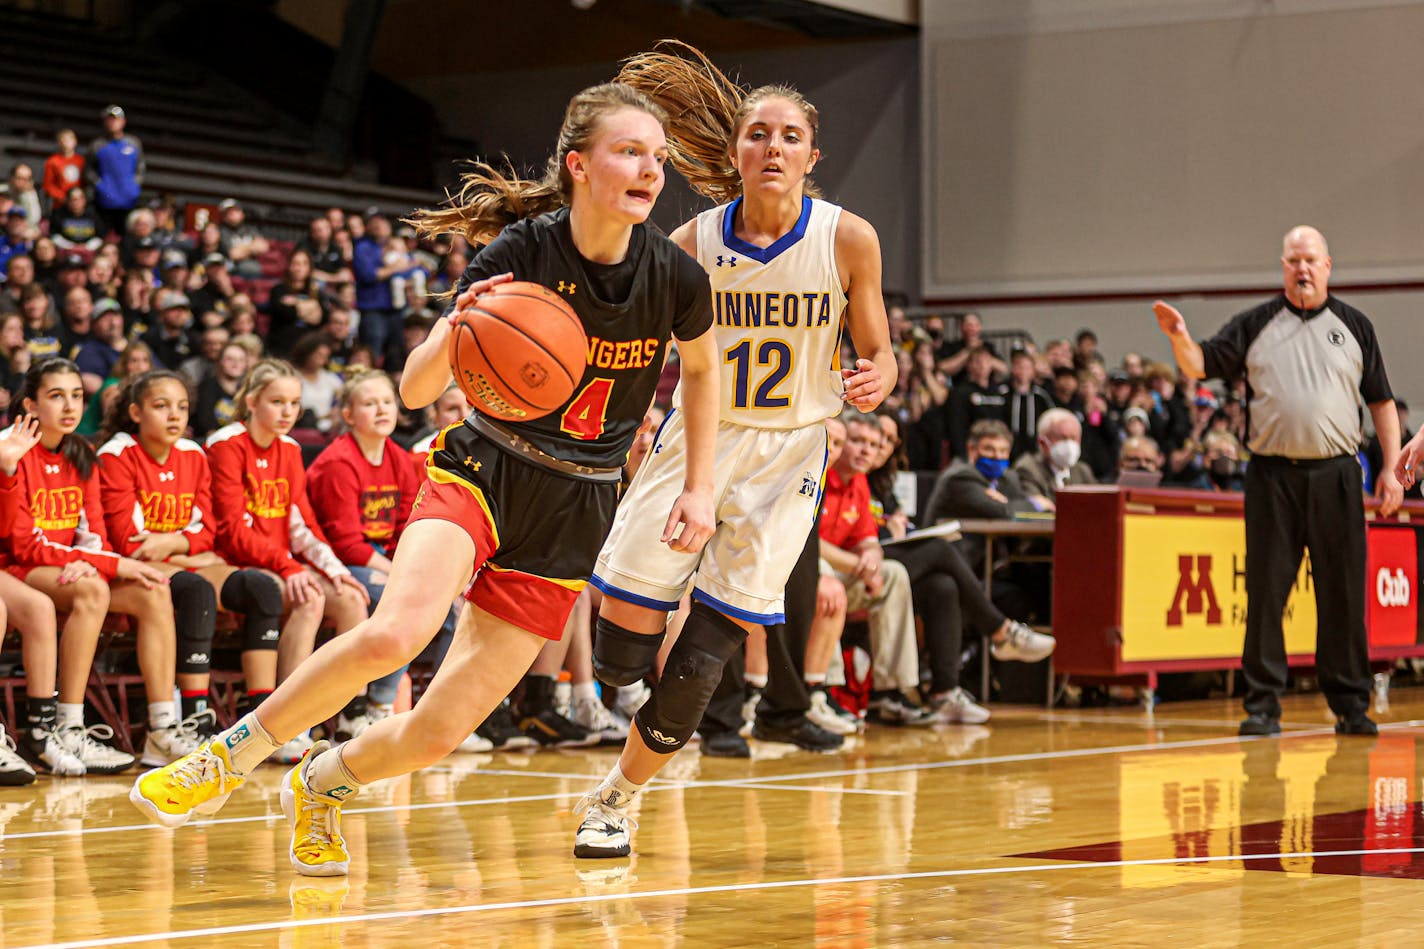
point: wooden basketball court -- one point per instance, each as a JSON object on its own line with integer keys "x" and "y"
{"x": 1091, "y": 827}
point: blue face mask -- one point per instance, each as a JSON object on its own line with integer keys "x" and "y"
{"x": 992, "y": 468}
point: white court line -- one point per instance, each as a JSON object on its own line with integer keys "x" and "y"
{"x": 396, "y": 915}
{"x": 433, "y": 805}
{"x": 1150, "y": 720}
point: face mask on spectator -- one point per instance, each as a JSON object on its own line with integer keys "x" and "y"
{"x": 1223, "y": 470}
{"x": 992, "y": 468}
{"x": 1064, "y": 454}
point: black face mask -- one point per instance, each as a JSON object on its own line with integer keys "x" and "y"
{"x": 1223, "y": 470}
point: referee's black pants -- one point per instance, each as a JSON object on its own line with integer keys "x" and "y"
{"x": 1292, "y": 506}
{"x": 785, "y": 700}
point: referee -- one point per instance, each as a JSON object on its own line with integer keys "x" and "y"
{"x": 1310, "y": 361}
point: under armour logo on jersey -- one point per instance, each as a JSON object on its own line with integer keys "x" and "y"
{"x": 167, "y": 475}
{"x": 731, "y": 261}
{"x": 472, "y": 464}
{"x": 568, "y": 288}
{"x": 262, "y": 462}
{"x": 808, "y": 486}
{"x": 51, "y": 469}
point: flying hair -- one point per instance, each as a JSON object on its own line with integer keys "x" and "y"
{"x": 705, "y": 111}
{"x": 491, "y": 198}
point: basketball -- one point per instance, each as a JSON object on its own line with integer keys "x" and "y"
{"x": 518, "y": 352}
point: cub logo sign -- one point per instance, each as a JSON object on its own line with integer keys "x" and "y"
{"x": 1391, "y": 585}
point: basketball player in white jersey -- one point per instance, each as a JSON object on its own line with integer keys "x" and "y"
{"x": 788, "y": 271}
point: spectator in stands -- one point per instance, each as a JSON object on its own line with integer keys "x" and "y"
{"x": 115, "y": 169}
{"x": 1132, "y": 364}
{"x": 1057, "y": 354}
{"x": 1027, "y": 400}
{"x": 168, "y": 336}
{"x": 450, "y": 271}
{"x": 982, "y": 485}
{"x": 14, "y": 359}
{"x": 1139, "y": 454}
{"x": 203, "y": 363}
{"x": 242, "y": 324}
{"x": 106, "y": 343}
{"x": 1171, "y": 420}
{"x": 41, "y": 322}
{"x": 297, "y": 305}
{"x": 1065, "y": 388}
{"x": 146, "y": 255}
{"x": 341, "y": 332}
{"x": 1100, "y": 435}
{"x": 136, "y": 297}
{"x": 320, "y": 386}
{"x": 954, "y": 355}
{"x": 976, "y": 397}
{"x": 1085, "y": 348}
{"x": 1222, "y": 469}
{"x": 24, "y": 194}
{"x": 362, "y": 487}
{"x": 1135, "y": 423}
{"x": 76, "y": 316}
{"x": 242, "y": 243}
{"x": 1119, "y": 395}
{"x": 19, "y": 277}
{"x": 18, "y": 238}
{"x": 408, "y": 278}
{"x": 926, "y": 392}
{"x": 134, "y": 361}
{"x": 215, "y": 290}
{"x": 1374, "y": 457}
{"x": 173, "y": 272}
{"x": 417, "y": 327}
{"x": 69, "y": 559}
{"x": 1056, "y": 464}
{"x": 46, "y": 259}
{"x": 217, "y": 393}
{"x": 356, "y": 224}
{"x": 72, "y": 225}
{"x": 166, "y": 231}
{"x": 337, "y": 219}
{"x": 329, "y": 262}
{"x": 208, "y": 244}
{"x": 63, "y": 170}
{"x": 70, "y": 274}
{"x": 850, "y": 544}
{"x": 99, "y": 276}
{"x": 380, "y": 325}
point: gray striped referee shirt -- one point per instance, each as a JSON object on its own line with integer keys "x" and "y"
{"x": 1309, "y": 375}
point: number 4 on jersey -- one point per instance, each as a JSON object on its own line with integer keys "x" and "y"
{"x": 588, "y": 411}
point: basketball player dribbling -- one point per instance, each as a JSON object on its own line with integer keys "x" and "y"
{"x": 520, "y": 508}
{"x": 788, "y": 271}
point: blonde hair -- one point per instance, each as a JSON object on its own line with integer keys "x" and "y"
{"x": 259, "y": 377}
{"x": 357, "y": 378}
{"x": 705, "y": 111}
{"x": 490, "y": 199}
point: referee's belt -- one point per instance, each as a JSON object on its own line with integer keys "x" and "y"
{"x": 1285, "y": 461}
{"x": 521, "y": 447}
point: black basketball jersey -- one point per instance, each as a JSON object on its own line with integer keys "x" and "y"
{"x": 627, "y": 340}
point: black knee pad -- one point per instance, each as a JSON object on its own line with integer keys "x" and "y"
{"x": 195, "y": 611}
{"x": 258, "y": 597}
{"x": 694, "y": 667}
{"x": 621, "y": 656}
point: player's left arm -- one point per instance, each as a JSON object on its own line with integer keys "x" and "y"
{"x": 701, "y": 408}
{"x": 858, "y": 258}
{"x": 1387, "y": 486}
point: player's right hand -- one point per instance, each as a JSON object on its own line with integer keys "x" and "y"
{"x": 830, "y": 596}
{"x": 147, "y": 575}
{"x": 467, "y": 298}
{"x": 1169, "y": 319}
{"x": 1409, "y": 459}
{"x": 301, "y": 587}
{"x": 693, "y": 511}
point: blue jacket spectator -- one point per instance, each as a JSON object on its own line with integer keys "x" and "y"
{"x": 116, "y": 168}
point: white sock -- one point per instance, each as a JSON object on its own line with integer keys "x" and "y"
{"x": 815, "y": 680}
{"x": 161, "y": 715}
{"x": 69, "y": 715}
{"x": 617, "y": 790}
{"x": 328, "y": 775}
{"x": 585, "y": 691}
{"x": 756, "y": 681}
{"x": 248, "y": 743}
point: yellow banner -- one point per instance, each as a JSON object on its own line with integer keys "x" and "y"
{"x": 1184, "y": 590}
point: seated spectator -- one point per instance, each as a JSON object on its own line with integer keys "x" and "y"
{"x": 134, "y": 361}
{"x": 139, "y": 225}
{"x": 166, "y": 231}
{"x": 208, "y": 244}
{"x": 215, "y": 290}
{"x": 203, "y": 362}
{"x": 173, "y": 272}
{"x": 1140, "y": 453}
{"x": 73, "y": 226}
{"x": 41, "y": 323}
{"x": 977, "y": 397}
{"x": 46, "y": 259}
{"x": 339, "y": 328}
{"x": 136, "y": 297}
{"x": 850, "y": 544}
{"x": 1056, "y": 464}
{"x": 242, "y": 243}
{"x": 168, "y": 337}
{"x": 953, "y": 354}
{"x": 96, "y": 357}
{"x": 217, "y": 393}
{"x": 1027, "y": 400}
{"x": 19, "y": 236}
{"x": 23, "y": 193}
{"x": 297, "y": 305}
{"x": 330, "y": 262}
{"x": 320, "y": 386}
{"x": 451, "y": 407}
{"x": 100, "y": 276}
{"x": 1222, "y": 469}
{"x": 76, "y": 314}
{"x": 63, "y": 170}
{"x": 19, "y": 276}
{"x": 981, "y": 486}
{"x": 14, "y": 361}
{"x": 1135, "y": 422}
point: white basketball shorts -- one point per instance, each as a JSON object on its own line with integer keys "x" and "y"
{"x": 766, "y": 490}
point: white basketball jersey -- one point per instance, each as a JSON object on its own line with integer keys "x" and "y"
{"x": 777, "y": 312}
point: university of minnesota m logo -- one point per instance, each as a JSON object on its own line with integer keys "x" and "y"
{"x": 1193, "y": 591}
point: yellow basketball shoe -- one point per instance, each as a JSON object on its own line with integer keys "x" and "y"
{"x": 200, "y": 782}
{"x": 318, "y": 849}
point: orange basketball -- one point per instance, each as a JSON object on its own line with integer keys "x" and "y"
{"x": 518, "y": 351}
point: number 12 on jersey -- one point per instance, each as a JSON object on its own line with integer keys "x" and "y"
{"x": 773, "y": 353}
